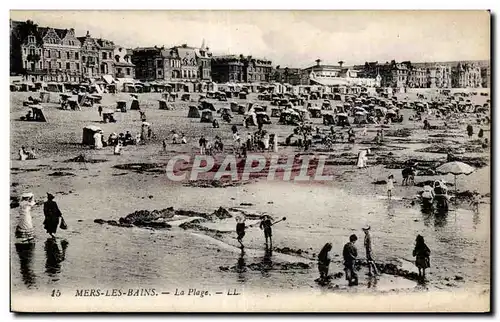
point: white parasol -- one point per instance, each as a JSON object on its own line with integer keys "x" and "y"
{"x": 456, "y": 168}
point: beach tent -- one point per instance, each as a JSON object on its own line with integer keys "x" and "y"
{"x": 108, "y": 115}
{"x": 44, "y": 97}
{"x": 122, "y": 106}
{"x": 73, "y": 104}
{"x": 163, "y": 104}
{"x": 38, "y": 115}
{"x": 250, "y": 119}
{"x": 262, "y": 118}
{"x": 135, "y": 104}
{"x": 88, "y": 134}
{"x": 193, "y": 112}
{"x": 207, "y": 105}
{"x": 206, "y": 116}
{"x": 234, "y": 107}
{"x": 55, "y": 87}
{"x": 275, "y": 112}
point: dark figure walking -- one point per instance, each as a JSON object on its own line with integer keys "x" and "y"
{"x": 470, "y": 130}
{"x": 350, "y": 254}
{"x": 52, "y": 215}
{"x": 324, "y": 262}
{"x": 99, "y": 109}
{"x": 240, "y": 229}
{"x": 422, "y": 254}
{"x": 266, "y": 225}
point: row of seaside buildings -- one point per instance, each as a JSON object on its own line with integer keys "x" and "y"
{"x": 52, "y": 54}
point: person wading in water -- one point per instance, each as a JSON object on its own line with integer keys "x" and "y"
{"x": 52, "y": 215}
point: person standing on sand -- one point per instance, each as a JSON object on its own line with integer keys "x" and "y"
{"x": 369, "y": 254}
{"x": 240, "y": 229}
{"x": 350, "y": 254}
{"x": 24, "y": 228}
{"x": 203, "y": 144}
{"x": 52, "y": 215}
{"x": 470, "y": 131}
{"x": 422, "y": 254}
{"x": 98, "y": 140}
{"x": 266, "y": 224}
{"x": 390, "y": 186}
{"x": 324, "y": 260}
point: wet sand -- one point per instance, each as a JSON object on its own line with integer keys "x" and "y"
{"x": 102, "y": 254}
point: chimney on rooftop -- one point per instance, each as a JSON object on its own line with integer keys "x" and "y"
{"x": 318, "y": 62}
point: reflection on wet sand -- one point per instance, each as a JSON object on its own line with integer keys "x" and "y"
{"x": 372, "y": 282}
{"x": 241, "y": 267}
{"x": 25, "y": 253}
{"x": 440, "y": 219}
{"x": 267, "y": 263}
{"x": 55, "y": 255}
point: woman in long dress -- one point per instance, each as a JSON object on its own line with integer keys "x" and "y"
{"x": 98, "y": 140}
{"x": 52, "y": 215}
{"x": 362, "y": 158}
{"x": 24, "y": 228}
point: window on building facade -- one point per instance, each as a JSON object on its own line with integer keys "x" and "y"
{"x": 159, "y": 72}
{"x": 77, "y": 66}
{"x": 40, "y": 64}
{"x": 58, "y": 54}
{"x": 68, "y": 66}
{"x": 128, "y": 71}
{"x": 76, "y": 56}
{"x": 31, "y": 39}
{"x": 49, "y": 65}
{"x": 104, "y": 56}
{"x": 118, "y": 70}
{"x": 84, "y": 59}
{"x": 68, "y": 55}
{"x": 117, "y": 58}
{"x": 59, "y": 65}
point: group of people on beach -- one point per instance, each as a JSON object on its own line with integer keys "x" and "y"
{"x": 350, "y": 258}
{"x": 265, "y": 225}
{"x": 25, "y": 154}
{"x": 52, "y": 217}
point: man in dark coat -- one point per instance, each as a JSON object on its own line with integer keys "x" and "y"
{"x": 350, "y": 254}
{"x": 52, "y": 215}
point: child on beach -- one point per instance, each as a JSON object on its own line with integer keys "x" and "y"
{"x": 266, "y": 225}
{"x": 240, "y": 229}
{"x": 422, "y": 254}
{"x": 324, "y": 260}
{"x": 390, "y": 186}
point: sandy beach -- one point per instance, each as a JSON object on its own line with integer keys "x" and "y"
{"x": 110, "y": 187}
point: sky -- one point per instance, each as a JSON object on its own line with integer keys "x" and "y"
{"x": 291, "y": 38}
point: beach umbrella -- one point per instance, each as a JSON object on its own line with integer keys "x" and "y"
{"x": 456, "y": 168}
